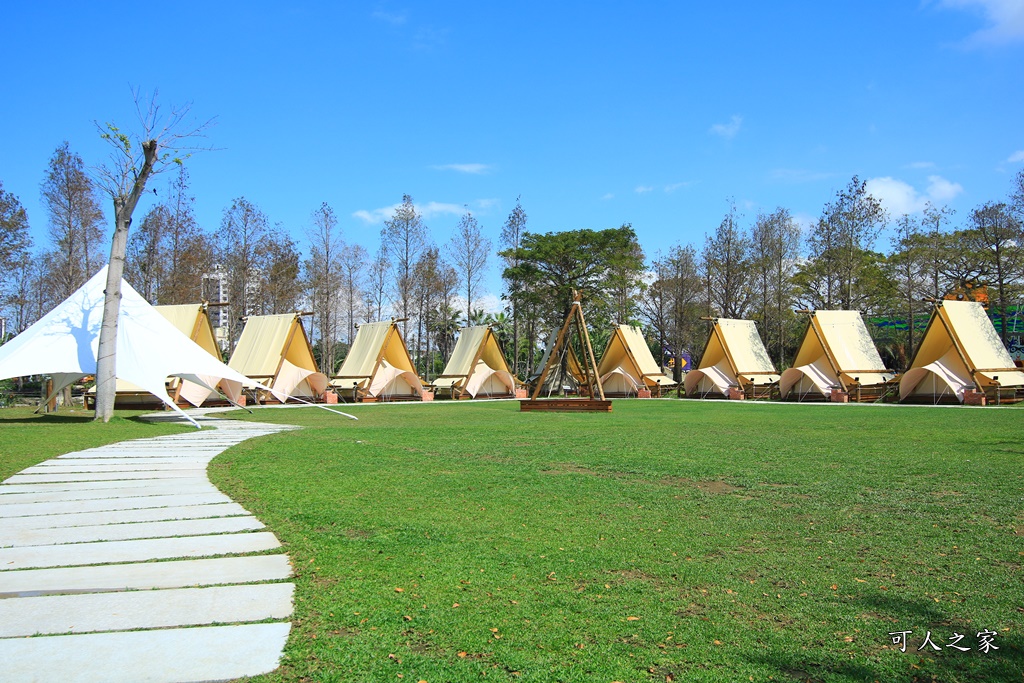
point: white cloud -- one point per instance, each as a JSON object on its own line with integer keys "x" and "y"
{"x": 643, "y": 189}
{"x": 486, "y": 302}
{"x": 798, "y": 175}
{"x": 920, "y": 165}
{"x": 676, "y": 186}
{"x": 1005, "y": 20}
{"x": 1017, "y": 157}
{"x": 428, "y": 210}
{"x": 805, "y": 222}
{"x": 728, "y": 130}
{"x": 607, "y": 196}
{"x": 474, "y": 169}
{"x": 486, "y": 204}
{"x": 376, "y": 215}
{"x": 431, "y": 209}
{"x": 900, "y": 197}
{"x": 394, "y": 18}
{"x": 942, "y": 190}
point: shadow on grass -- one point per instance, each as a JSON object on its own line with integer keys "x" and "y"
{"x": 886, "y": 662}
{"x": 67, "y": 419}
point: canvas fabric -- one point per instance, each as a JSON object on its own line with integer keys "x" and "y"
{"x": 474, "y": 341}
{"x": 619, "y": 381}
{"x": 816, "y": 377}
{"x": 959, "y": 331}
{"x": 392, "y": 381}
{"x": 64, "y": 343}
{"x": 712, "y": 379}
{"x": 628, "y": 352}
{"x": 489, "y": 381}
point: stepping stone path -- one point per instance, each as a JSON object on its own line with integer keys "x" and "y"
{"x": 93, "y": 584}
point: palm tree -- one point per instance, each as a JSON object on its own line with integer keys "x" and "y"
{"x": 445, "y": 325}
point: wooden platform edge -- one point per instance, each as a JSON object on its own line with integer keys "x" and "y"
{"x": 565, "y": 405}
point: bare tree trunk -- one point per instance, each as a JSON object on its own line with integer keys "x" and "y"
{"x": 106, "y": 363}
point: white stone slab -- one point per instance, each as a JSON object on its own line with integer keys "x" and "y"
{"x": 122, "y": 516}
{"x": 149, "y": 487}
{"x": 213, "y": 653}
{"x": 8, "y": 489}
{"x": 147, "y": 575}
{"x": 92, "y": 612}
{"x": 110, "y": 552}
{"x": 127, "y": 503}
{"x": 157, "y": 453}
{"x": 121, "y": 532}
{"x": 126, "y": 476}
{"x": 116, "y": 465}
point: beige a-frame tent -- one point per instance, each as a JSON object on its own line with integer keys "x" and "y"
{"x": 378, "y": 366}
{"x": 477, "y": 368}
{"x": 628, "y": 366}
{"x": 734, "y": 357}
{"x": 960, "y": 351}
{"x": 275, "y": 350}
{"x": 193, "y": 321}
{"x": 836, "y": 353}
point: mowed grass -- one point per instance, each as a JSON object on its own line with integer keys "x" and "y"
{"x": 27, "y": 439}
{"x": 668, "y": 540}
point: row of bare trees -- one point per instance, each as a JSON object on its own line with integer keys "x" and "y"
{"x": 770, "y": 269}
{"x": 762, "y": 269}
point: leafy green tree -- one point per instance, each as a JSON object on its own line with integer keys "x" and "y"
{"x": 841, "y": 251}
{"x": 908, "y": 265}
{"x": 14, "y": 237}
{"x": 353, "y": 286}
{"x": 672, "y": 306}
{"x": 243, "y": 229}
{"x": 1001, "y": 237}
{"x": 146, "y": 252}
{"x": 323, "y": 275}
{"x": 775, "y": 249}
{"x": 511, "y": 239}
{"x": 72, "y": 205}
{"x": 469, "y": 251}
{"x": 135, "y": 157}
{"x": 403, "y": 240}
{"x": 597, "y": 263}
{"x": 278, "y": 269}
{"x": 726, "y": 258}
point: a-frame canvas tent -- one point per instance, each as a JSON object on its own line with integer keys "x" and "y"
{"x": 960, "y": 351}
{"x": 275, "y": 350}
{"x": 193, "y": 321}
{"x": 836, "y": 353}
{"x": 734, "y": 356}
{"x": 627, "y": 365}
{"x": 64, "y": 342}
{"x": 378, "y": 366}
{"x": 557, "y": 381}
{"x": 477, "y": 367}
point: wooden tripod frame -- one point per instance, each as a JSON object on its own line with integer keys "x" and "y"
{"x": 593, "y": 403}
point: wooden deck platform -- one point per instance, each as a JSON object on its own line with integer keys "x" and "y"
{"x": 566, "y": 405}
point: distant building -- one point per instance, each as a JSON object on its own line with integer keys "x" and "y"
{"x": 215, "y": 291}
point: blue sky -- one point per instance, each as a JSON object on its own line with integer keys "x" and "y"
{"x": 596, "y": 113}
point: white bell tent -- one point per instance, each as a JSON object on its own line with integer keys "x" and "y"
{"x": 64, "y": 342}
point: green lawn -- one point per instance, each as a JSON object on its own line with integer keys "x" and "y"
{"x": 27, "y": 439}
{"x": 668, "y": 540}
